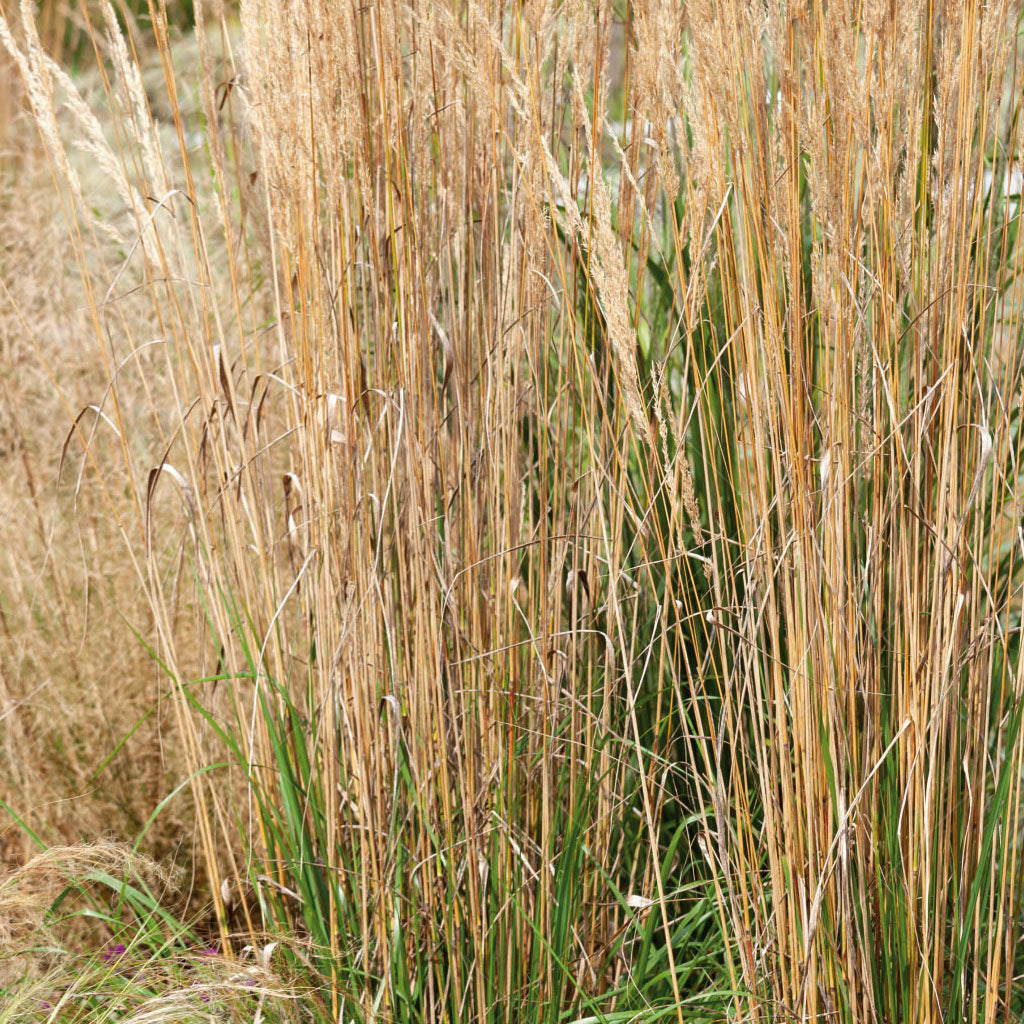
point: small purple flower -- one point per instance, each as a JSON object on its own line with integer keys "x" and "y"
{"x": 204, "y": 996}
{"x": 209, "y": 951}
{"x": 115, "y": 952}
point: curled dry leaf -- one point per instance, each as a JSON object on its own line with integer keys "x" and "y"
{"x": 636, "y": 902}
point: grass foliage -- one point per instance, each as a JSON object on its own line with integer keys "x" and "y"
{"x": 556, "y": 470}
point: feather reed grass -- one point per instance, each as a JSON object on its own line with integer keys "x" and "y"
{"x": 568, "y": 460}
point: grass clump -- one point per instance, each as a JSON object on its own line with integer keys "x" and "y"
{"x": 580, "y": 555}
{"x": 86, "y": 938}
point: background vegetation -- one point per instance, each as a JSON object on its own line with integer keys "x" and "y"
{"x": 513, "y": 513}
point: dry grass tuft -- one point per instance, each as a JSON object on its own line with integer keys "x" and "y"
{"x": 29, "y": 893}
